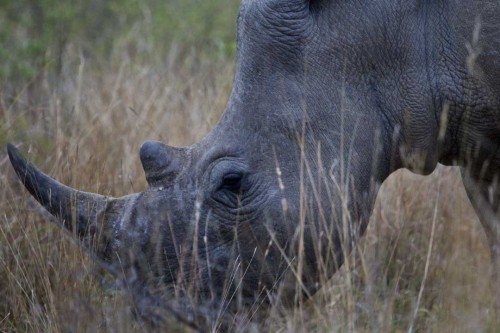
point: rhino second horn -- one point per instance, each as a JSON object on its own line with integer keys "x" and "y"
{"x": 74, "y": 208}
{"x": 161, "y": 163}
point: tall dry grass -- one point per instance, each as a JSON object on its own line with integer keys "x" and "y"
{"x": 423, "y": 264}
{"x": 88, "y": 135}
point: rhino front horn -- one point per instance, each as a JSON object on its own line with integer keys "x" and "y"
{"x": 161, "y": 163}
{"x": 76, "y": 209}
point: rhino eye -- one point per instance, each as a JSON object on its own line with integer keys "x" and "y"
{"x": 232, "y": 181}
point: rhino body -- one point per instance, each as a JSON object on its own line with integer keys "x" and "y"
{"x": 329, "y": 98}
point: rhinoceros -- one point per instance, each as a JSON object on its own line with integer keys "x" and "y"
{"x": 329, "y": 98}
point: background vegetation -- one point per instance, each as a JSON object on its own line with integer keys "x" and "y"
{"x": 84, "y": 83}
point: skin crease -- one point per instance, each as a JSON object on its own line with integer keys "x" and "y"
{"x": 329, "y": 98}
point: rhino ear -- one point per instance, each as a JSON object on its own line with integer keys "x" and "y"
{"x": 161, "y": 163}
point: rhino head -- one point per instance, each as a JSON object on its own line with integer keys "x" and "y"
{"x": 274, "y": 196}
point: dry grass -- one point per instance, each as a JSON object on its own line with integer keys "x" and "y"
{"x": 379, "y": 291}
{"x": 87, "y": 135}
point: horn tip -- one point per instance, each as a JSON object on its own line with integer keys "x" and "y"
{"x": 150, "y": 150}
{"x": 16, "y": 158}
{"x": 11, "y": 149}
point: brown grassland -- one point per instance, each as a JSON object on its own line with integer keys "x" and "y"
{"x": 423, "y": 264}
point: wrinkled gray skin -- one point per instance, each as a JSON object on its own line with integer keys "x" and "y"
{"x": 329, "y": 98}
